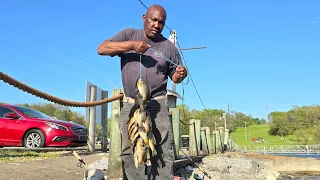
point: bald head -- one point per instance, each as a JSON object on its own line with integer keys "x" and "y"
{"x": 154, "y": 21}
{"x": 156, "y": 8}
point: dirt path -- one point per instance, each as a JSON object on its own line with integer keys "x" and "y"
{"x": 64, "y": 168}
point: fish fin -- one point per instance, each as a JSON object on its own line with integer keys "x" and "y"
{"x": 133, "y": 109}
{"x": 135, "y": 158}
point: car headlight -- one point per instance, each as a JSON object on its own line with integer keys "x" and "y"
{"x": 56, "y": 126}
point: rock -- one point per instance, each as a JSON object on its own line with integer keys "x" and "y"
{"x": 93, "y": 174}
{"x": 100, "y": 164}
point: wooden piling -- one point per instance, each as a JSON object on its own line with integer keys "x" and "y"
{"x": 193, "y": 149}
{"x": 115, "y": 164}
{"x": 208, "y": 138}
{"x": 175, "y": 114}
{"x": 198, "y": 133}
{"x": 214, "y": 144}
{"x": 92, "y": 120}
{"x": 104, "y": 123}
{"x": 204, "y": 142}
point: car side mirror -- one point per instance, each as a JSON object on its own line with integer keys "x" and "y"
{"x": 12, "y": 116}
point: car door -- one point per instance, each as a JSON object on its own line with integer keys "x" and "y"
{"x": 9, "y": 128}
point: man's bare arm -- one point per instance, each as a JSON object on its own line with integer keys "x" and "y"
{"x": 111, "y": 48}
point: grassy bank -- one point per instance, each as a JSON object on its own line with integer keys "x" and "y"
{"x": 18, "y": 156}
{"x": 261, "y": 131}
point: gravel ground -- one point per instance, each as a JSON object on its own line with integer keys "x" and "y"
{"x": 230, "y": 166}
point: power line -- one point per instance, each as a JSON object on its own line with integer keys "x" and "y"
{"x": 55, "y": 48}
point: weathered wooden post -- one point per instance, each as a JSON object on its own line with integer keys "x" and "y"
{"x": 198, "y": 133}
{"x": 209, "y": 142}
{"x": 214, "y": 142}
{"x": 204, "y": 142}
{"x": 115, "y": 164}
{"x": 225, "y": 139}
{"x": 92, "y": 120}
{"x": 221, "y": 138}
{"x": 193, "y": 149}
{"x": 175, "y": 114}
{"x": 176, "y": 130}
{"x": 104, "y": 123}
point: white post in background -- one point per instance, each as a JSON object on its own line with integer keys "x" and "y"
{"x": 173, "y": 39}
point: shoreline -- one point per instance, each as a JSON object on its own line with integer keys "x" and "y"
{"x": 255, "y": 166}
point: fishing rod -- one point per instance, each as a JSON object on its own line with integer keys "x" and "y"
{"x": 198, "y": 166}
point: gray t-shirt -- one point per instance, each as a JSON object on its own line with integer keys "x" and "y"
{"x": 154, "y": 70}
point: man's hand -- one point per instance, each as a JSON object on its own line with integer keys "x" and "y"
{"x": 180, "y": 74}
{"x": 140, "y": 46}
{"x": 181, "y": 71}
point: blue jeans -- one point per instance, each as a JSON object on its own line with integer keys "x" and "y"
{"x": 162, "y": 164}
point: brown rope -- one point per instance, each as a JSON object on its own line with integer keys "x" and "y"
{"x": 7, "y": 79}
{"x": 185, "y": 123}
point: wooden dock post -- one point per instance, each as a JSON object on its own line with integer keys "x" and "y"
{"x": 204, "y": 142}
{"x": 175, "y": 114}
{"x": 115, "y": 163}
{"x": 214, "y": 142}
{"x": 208, "y": 138}
{"x": 104, "y": 123}
{"x": 198, "y": 133}
{"x": 193, "y": 149}
{"x": 92, "y": 120}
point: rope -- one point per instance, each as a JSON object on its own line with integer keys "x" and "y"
{"x": 7, "y": 79}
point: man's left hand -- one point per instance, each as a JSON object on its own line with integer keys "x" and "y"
{"x": 181, "y": 71}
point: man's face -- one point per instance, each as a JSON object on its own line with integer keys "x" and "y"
{"x": 154, "y": 22}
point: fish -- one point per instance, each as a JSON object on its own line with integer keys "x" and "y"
{"x": 139, "y": 153}
{"x": 144, "y": 90}
{"x": 152, "y": 145}
{"x": 143, "y": 142}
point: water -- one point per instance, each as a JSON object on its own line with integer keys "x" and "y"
{"x": 314, "y": 156}
{"x": 305, "y": 177}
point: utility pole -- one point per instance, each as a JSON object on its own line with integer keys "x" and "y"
{"x": 173, "y": 39}
{"x": 245, "y": 129}
{"x": 229, "y": 106}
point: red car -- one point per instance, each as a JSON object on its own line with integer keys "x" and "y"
{"x": 21, "y": 126}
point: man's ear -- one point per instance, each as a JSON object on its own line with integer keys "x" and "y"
{"x": 143, "y": 17}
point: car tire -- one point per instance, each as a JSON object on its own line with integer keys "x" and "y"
{"x": 34, "y": 138}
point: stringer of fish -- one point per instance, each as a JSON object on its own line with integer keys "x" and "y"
{"x": 143, "y": 142}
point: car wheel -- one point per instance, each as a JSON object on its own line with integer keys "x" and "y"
{"x": 34, "y": 139}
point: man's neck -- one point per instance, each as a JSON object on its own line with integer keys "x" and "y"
{"x": 156, "y": 39}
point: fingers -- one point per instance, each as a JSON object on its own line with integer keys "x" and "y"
{"x": 143, "y": 47}
{"x": 181, "y": 71}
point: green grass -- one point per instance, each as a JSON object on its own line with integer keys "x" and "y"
{"x": 261, "y": 131}
{"x": 18, "y": 156}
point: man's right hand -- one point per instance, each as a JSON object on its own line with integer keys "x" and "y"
{"x": 140, "y": 46}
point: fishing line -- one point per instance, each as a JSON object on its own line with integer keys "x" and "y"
{"x": 140, "y": 66}
{"x": 163, "y": 56}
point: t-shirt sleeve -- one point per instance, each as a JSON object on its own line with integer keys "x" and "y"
{"x": 123, "y": 35}
{"x": 177, "y": 60}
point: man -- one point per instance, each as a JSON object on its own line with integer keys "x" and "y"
{"x": 129, "y": 44}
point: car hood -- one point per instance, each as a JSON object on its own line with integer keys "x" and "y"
{"x": 65, "y": 123}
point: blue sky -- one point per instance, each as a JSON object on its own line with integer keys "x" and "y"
{"x": 258, "y": 53}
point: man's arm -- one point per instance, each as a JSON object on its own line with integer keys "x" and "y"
{"x": 111, "y": 48}
{"x": 177, "y": 74}
{"x": 117, "y": 44}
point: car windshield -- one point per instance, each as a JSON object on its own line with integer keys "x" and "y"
{"x": 32, "y": 113}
